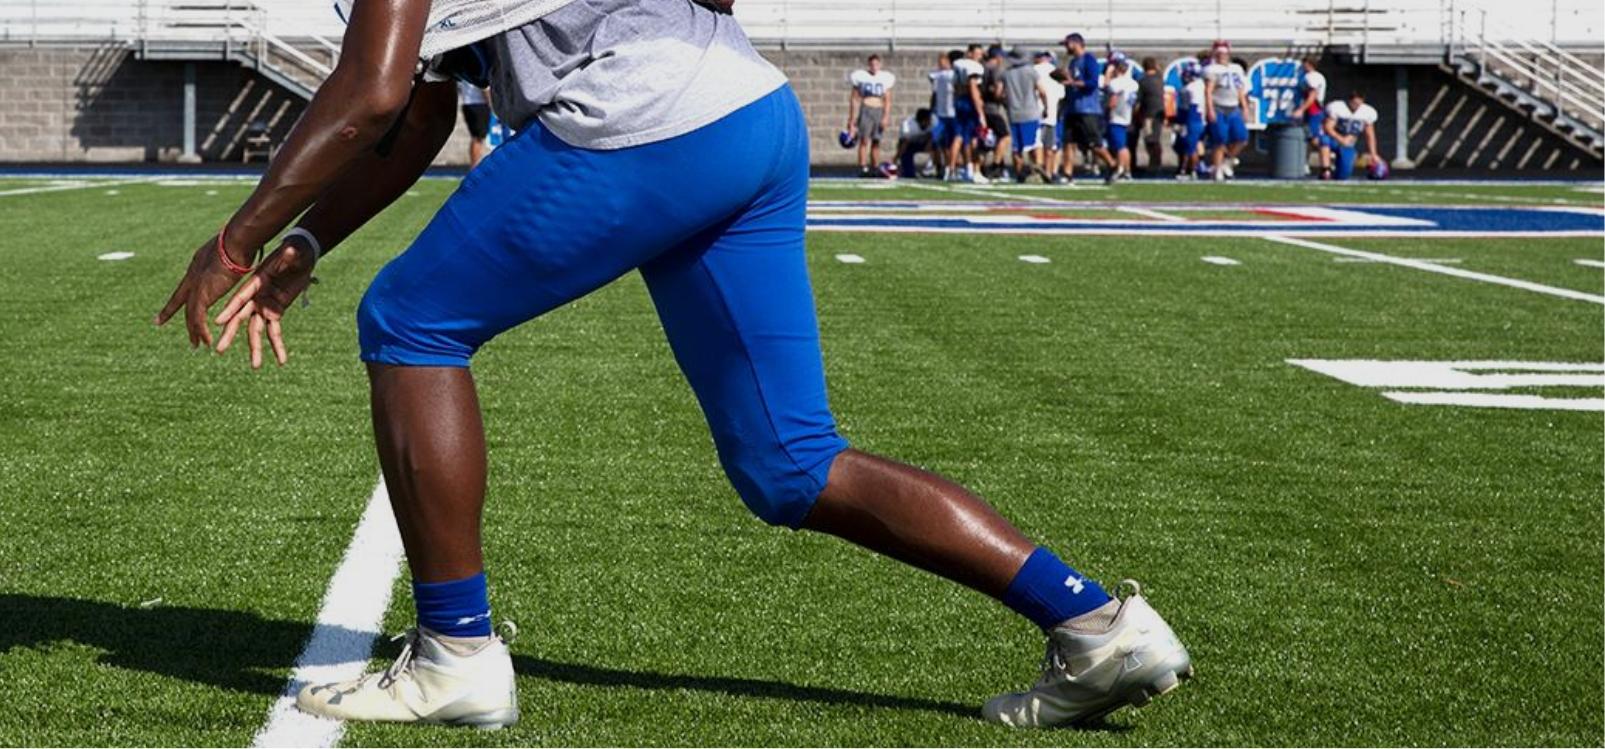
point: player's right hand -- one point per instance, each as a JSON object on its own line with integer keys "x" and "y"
{"x": 263, "y": 299}
{"x": 205, "y": 282}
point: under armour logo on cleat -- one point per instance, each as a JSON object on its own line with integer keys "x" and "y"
{"x": 1075, "y": 584}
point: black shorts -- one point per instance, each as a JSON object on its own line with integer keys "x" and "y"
{"x": 998, "y": 124}
{"x": 1086, "y": 131}
{"x": 477, "y": 118}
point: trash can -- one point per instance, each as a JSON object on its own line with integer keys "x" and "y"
{"x": 1289, "y": 159}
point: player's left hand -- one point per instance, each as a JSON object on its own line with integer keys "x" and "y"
{"x": 263, "y": 299}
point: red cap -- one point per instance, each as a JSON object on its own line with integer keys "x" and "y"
{"x": 1220, "y": 44}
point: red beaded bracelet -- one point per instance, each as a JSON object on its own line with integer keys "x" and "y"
{"x": 228, "y": 262}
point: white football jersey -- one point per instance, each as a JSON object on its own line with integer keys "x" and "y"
{"x": 1192, "y": 99}
{"x": 965, "y": 70}
{"x": 871, "y": 85}
{"x": 1229, "y": 80}
{"x": 942, "y": 92}
{"x": 1123, "y": 92}
{"x": 1314, "y": 81}
{"x": 1348, "y": 122}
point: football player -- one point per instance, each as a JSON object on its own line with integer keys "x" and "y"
{"x": 945, "y": 123}
{"x": 968, "y": 130}
{"x": 1122, "y": 92}
{"x": 1190, "y": 125}
{"x": 1346, "y": 122}
{"x": 1052, "y": 91}
{"x": 708, "y": 140}
{"x": 869, "y": 110}
{"x": 1312, "y": 88}
{"x": 1225, "y": 102}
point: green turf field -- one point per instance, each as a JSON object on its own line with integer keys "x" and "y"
{"x": 1345, "y": 569}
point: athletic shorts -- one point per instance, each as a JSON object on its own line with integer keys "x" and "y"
{"x": 947, "y": 129}
{"x": 869, "y": 124}
{"x": 1191, "y": 134}
{"x": 966, "y": 121}
{"x": 1086, "y": 131}
{"x": 1049, "y": 136}
{"x": 713, "y": 220}
{"x": 1116, "y": 138}
{"x": 1343, "y": 168}
{"x": 477, "y": 118}
{"x": 1024, "y": 136}
{"x": 1315, "y": 123}
{"x": 997, "y": 123}
{"x": 1228, "y": 127}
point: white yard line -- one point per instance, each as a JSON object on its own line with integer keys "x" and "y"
{"x": 348, "y": 622}
{"x": 1218, "y": 260}
{"x": 1514, "y": 283}
{"x": 1150, "y": 213}
{"x": 1590, "y": 263}
{"x": 1434, "y": 260}
{"x": 66, "y": 187}
{"x": 1034, "y": 259}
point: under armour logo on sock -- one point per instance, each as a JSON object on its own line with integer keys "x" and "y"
{"x": 462, "y": 620}
{"x": 1075, "y": 584}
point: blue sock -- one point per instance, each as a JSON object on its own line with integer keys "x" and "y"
{"x": 1047, "y": 591}
{"x": 459, "y": 608}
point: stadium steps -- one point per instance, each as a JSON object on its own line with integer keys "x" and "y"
{"x": 1582, "y": 130}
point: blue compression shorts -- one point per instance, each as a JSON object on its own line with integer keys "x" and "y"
{"x": 1315, "y": 123}
{"x": 1116, "y": 137}
{"x": 713, "y": 219}
{"x": 1346, "y": 156}
{"x": 966, "y": 121}
{"x": 1228, "y": 127}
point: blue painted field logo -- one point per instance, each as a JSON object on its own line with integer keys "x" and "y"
{"x": 1479, "y": 384}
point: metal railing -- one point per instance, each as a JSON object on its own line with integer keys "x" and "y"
{"x": 1575, "y": 87}
{"x": 1576, "y": 25}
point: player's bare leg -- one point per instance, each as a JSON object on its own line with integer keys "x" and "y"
{"x": 426, "y": 423}
{"x": 427, "y": 426}
{"x": 919, "y": 518}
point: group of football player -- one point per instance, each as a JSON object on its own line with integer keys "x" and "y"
{"x": 1015, "y": 115}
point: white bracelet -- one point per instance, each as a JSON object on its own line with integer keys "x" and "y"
{"x": 317, "y": 249}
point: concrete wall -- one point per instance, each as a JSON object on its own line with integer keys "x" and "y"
{"x": 102, "y": 104}
{"x": 87, "y": 104}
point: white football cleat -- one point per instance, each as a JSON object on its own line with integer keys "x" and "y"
{"x": 432, "y": 681}
{"x": 1087, "y": 675}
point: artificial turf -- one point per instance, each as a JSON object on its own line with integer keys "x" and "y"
{"x": 1346, "y": 570}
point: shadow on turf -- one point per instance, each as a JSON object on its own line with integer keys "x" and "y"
{"x": 242, "y": 651}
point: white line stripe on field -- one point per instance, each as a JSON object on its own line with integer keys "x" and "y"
{"x": 1434, "y": 260}
{"x": 1514, "y": 283}
{"x": 348, "y": 622}
{"x": 1590, "y": 263}
{"x": 1150, "y": 213}
{"x": 1034, "y": 259}
{"x": 1218, "y": 260}
{"x": 850, "y": 259}
{"x": 73, "y": 186}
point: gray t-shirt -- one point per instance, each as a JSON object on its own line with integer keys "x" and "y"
{"x": 608, "y": 74}
{"x": 1020, "y": 93}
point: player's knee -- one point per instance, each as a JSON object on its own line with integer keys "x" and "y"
{"x": 778, "y": 483}
{"x": 391, "y": 331}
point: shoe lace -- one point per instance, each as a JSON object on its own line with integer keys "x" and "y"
{"x": 1052, "y": 664}
{"x": 403, "y": 665}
